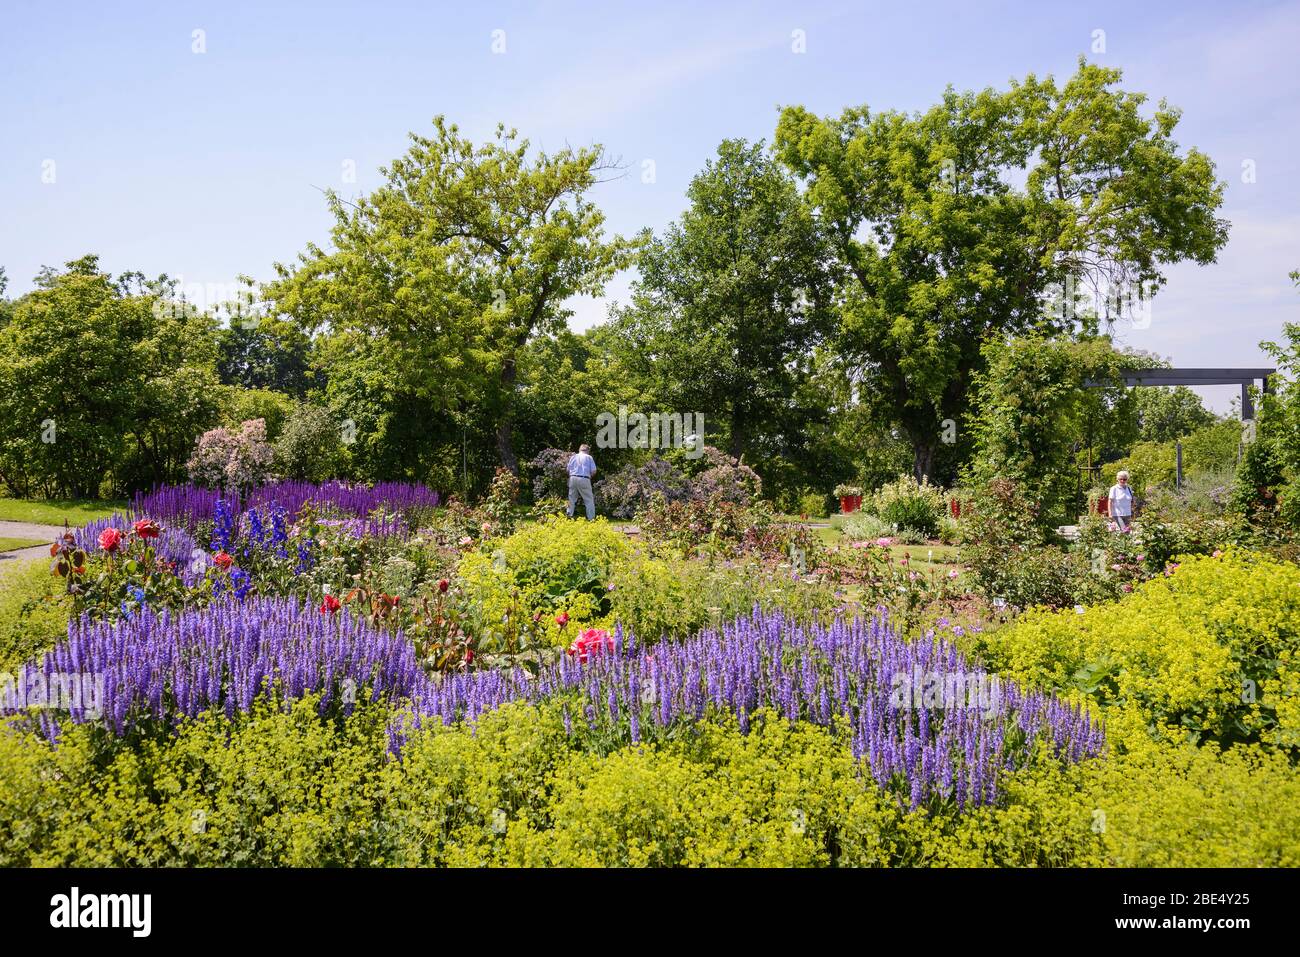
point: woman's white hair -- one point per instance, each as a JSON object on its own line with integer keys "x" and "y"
{"x": 1121, "y": 474}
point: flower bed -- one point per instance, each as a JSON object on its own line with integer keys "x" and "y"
{"x": 190, "y": 505}
{"x": 848, "y": 676}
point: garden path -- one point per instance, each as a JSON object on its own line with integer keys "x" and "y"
{"x": 28, "y": 530}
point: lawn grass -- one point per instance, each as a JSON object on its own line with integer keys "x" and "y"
{"x": 54, "y": 511}
{"x": 33, "y": 612}
{"x": 9, "y": 544}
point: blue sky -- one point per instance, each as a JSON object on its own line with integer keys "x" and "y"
{"x": 208, "y": 165}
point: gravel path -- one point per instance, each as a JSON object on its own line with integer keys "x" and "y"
{"x": 28, "y": 530}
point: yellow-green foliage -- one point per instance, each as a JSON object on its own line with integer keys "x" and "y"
{"x": 1207, "y": 651}
{"x": 1149, "y": 463}
{"x": 277, "y": 788}
{"x": 780, "y": 796}
{"x": 1166, "y": 805}
{"x": 455, "y": 795}
{"x": 907, "y": 503}
{"x": 556, "y": 565}
{"x": 677, "y": 597}
{"x": 269, "y": 788}
{"x": 33, "y": 612}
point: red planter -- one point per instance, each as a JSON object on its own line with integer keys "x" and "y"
{"x": 850, "y": 503}
{"x": 1103, "y": 506}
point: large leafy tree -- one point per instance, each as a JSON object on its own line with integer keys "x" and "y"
{"x": 1166, "y": 414}
{"x": 102, "y": 387}
{"x": 731, "y": 302}
{"x": 566, "y": 381}
{"x": 462, "y": 256}
{"x": 264, "y": 353}
{"x": 955, "y": 224}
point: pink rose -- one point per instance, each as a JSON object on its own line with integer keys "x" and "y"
{"x": 110, "y": 539}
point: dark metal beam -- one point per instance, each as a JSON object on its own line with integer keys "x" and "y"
{"x": 1163, "y": 377}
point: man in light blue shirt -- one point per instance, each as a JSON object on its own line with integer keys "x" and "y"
{"x": 581, "y": 468}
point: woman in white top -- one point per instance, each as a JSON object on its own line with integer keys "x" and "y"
{"x": 1121, "y": 502}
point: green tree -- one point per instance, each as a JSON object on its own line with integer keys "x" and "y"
{"x": 102, "y": 388}
{"x": 462, "y": 256}
{"x": 730, "y": 303}
{"x": 1166, "y": 414}
{"x": 266, "y": 353}
{"x": 566, "y": 381}
{"x": 311, "y": 446}
{"x": 956, "y": 223}
{"x": 1033, "y": 416}
{"x": 6, "y": 307}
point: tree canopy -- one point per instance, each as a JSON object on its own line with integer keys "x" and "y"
{"x": 955, "y": 223}
{"x": 462, "y": 256}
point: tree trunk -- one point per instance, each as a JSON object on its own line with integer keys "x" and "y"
{"x": 737, "y": 438}
{"x": 922, "y": 458}
{"x": 505, "y": 427}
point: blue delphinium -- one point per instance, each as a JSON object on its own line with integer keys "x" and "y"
{"x": 223, "y": 526}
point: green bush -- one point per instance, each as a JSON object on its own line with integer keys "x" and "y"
{"x": 860, "y": 526}
{"x": 1204, "y": 653}
{"x": 778, "y": 797}
{"x": 553, "y": 566}
{"x": 1149, "y": 464}
{"x": 674, "y": 598}
{"x": 284, "y": 788}
{"x": 311, "y": 446}
{"x": 33, "y": 612}
{"x": 1009, "y": 559}
{"x": 271, "y": 788}
{"x": 907, "y": 503}
{"x": 1164, "y": 805}
{"x": 813, "y": 504}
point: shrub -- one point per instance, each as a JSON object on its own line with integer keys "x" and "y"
{"x": 268, "y": 788}
{"x": 224, "y": 459}
{"x": 726, "y": 479}
{"x": 1009, "y": 560}
{"x": 634, "y": 487}
{"x": 310, "y": 448}
{"x": 499, "y": 504}
{"x": 813, "y": 504}
{"x": 551, "y": 567}
{"x": 674, "y": 598}
{"x": 780, "y": 796}
{"x": 1149, "y": 464}
{"x": 862, "y": 526}
{"x": 552, "y": 474}
{"x": 1201, "y": 653}
{"x": 33, "y": 612}
{"x": 1165, "y": 805}
{"x": 908, "y": 503}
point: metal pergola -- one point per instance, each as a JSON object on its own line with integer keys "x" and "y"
{"x": 1243, "y": 377}
{"x": 1189, "y": 377}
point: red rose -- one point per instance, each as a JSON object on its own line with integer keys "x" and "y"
{"x": 443, "y": 584}
{"x": 562, "y": 619}
{"x": 223, "y": 561}
{"x": 147, "y": 528}
{"x": 330, "y": 605}
{"x": 110, "y": 539}
{"x": 469, "y": 655}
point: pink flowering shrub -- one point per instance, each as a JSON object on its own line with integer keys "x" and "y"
{"x": 224, "y": 459}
